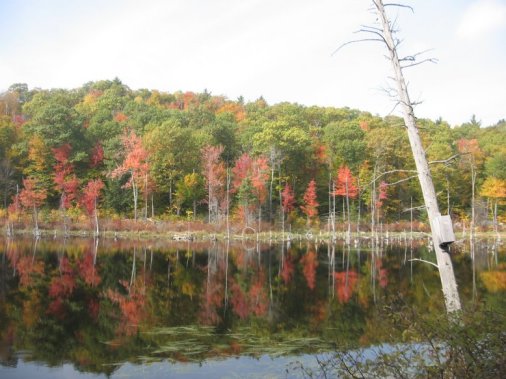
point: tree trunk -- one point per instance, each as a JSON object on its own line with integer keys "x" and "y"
{"x": 348, "y": 232}
{"x": 448, "y": 282}
{"x": 35, "y": 221}
{"x": 473, "y": 201}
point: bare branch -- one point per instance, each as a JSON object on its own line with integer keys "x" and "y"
{"x": 399, "y": 6}
{"x": 413, "y": 57}
{"x": 372, "y": 28}
{"x": 389, "y": 172}
{"x": 429, "y": 60}
{"x": 414, "y": 208}
{"x": 447, "y": 160}
{"x": 379, "y": 34}
{"x": 402, "y": 180}
{"x": 393, "y": 109}
{"x": 424, "y": 261}
{"x": 356, "y": 41}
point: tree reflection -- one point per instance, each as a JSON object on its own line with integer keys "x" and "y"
{"x": 94, "y": 304}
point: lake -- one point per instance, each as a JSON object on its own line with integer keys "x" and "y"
{"x": 84, "y": 308}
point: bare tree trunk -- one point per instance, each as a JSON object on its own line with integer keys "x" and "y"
{"x": 359, "y": 206}
{"x": 473, "y": 201}
{"x": 145, "y": 196}
{"x": 348, "y": 232}
{"x": 373, "y": 205}
{"x": 36, "y": 221}
{"x": 496, "y": 228}
{"x": 96, "y": 218}
{"x": 333, "y": 209}
{"x": 135, "y": 191}
{"x": 228, "y": 206}
{"x": 448, "y": 282}
{"x": 152, "y": 207}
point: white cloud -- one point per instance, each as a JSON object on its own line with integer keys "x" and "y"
{"x": 482, "y": 18}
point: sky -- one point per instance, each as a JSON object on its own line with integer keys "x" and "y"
{"x": 282, "y": 50}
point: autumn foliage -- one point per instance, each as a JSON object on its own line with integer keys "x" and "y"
{"x": 309, "y": 264}
{"x": 346, "y": 184}
{"x": 310, "y": 207}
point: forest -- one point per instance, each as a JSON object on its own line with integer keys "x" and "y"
{"x": 106, "y": 152}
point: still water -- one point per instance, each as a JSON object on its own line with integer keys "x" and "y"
{"x": 146, "y": 309}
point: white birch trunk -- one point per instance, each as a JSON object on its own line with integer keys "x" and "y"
{"x": 448, "y": 282}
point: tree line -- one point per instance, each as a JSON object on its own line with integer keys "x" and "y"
{"x": 104, "y": 149}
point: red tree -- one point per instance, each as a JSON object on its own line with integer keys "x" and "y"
{"x": 66, "y": 182}
{"x": 32, "y": 197}
{"x": 383, "y": 195}
{"x": 91, "y": 193}
{"x": 255, "y": 171}
{"x": 347, "y": 187}
{"x": 310, "y": 207}
{"x": 287, "y": 199}
{"x": 97, "y": 155}
{"x": 346, "y": 183}
{"x": 135, "y": 164}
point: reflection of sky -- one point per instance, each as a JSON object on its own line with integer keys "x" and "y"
{"x": 26, "y": 370}
{"x": 243, "y": 367}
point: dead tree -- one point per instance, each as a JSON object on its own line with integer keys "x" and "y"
{"x": 444, "y": 263}
{"x": 385, "y": 34}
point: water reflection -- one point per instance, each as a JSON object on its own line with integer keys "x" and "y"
{"x": 98, "y": 303}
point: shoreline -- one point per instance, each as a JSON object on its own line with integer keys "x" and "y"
{"x": 264, "y": 236}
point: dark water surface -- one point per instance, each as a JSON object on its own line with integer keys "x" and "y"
{"x": 93, "y": 309}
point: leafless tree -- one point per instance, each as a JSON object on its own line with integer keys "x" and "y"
{"x": 385, "y": 32}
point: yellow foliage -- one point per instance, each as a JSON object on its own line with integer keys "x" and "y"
{"x": 188, "y": 289}
{"x": 493, "y": 187}
{"x": 494, "y": 281}
{"x": 37, "y": 153}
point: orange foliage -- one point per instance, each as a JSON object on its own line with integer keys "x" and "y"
{"x": 135, "y": 162}
{"x": 346, "y": 283}
{"x": 131, "y": 307}
{"x": 310, "y": 207}
{"x": 234, "y": 108}
{"x": 120, "y": 117}
{"x": 346, "y": 183}
{"x": 255, "y": 301}
{"x": 321, "y": 153}
{"x": 190, "y": 100}
{"x": 31, "y": 196}
{"x": 364, "y": 125}
{"x": 88, "y": 271}
{"x": 288, "y": 269}
{"x": 382, "y": 274}
{"x": 27, "y": 268}
{"x": 310, "y": 263}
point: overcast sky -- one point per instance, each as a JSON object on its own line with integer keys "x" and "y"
{"x": 278, "y": 49}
